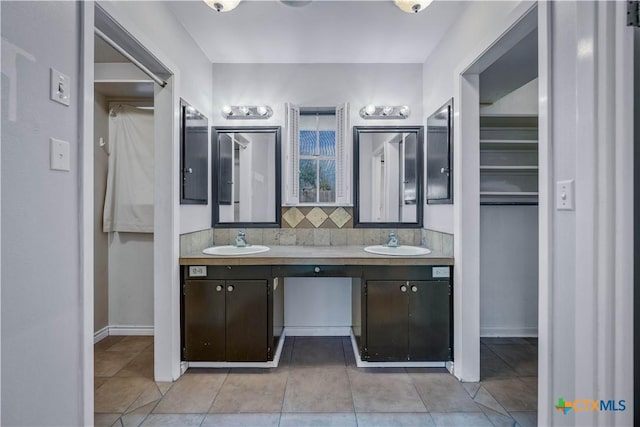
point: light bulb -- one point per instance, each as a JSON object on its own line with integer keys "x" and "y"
{"x": 404, "y": 111}
{"x": 370, "y": 109}
{"x": 262, "y": 110}
{"x": 387, "y": 110}
{"x": 226, "y": 111}
{"x": 244, "y": 110}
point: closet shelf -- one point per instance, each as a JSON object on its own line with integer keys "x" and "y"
{"x": 508, "y": 193}
{"x": 515, "y": 168}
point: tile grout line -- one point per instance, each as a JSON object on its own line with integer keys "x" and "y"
{"x": 284, "y": 396}
{"x": 353, "y": 404}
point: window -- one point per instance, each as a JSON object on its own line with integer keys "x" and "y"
{"x": 317, "y": 157}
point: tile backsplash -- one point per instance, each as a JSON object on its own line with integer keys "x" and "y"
{"x": 435, "y": 240}
{"x": 317, "y": 217}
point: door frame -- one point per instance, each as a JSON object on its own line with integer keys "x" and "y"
{"x": 166, "y": 207}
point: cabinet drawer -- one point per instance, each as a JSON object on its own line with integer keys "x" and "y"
{"x": 405, "y": 273}
{"x": 317, "y": 271}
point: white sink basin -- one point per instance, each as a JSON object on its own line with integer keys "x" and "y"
{"x": 397, "y": 251}
{"x": 230, "y": 250}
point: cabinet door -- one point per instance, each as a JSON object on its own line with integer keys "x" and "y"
{"x": 204, "y": 320}
{"x": 429, "y": 321}
{"x": 247, "y": 320}
{"x": 387, "y": 314}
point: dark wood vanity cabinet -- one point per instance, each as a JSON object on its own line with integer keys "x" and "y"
{"x": 405, "y": 320}
{"x": 228, "y": 320}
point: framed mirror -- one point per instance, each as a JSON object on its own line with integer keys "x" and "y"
{"x": 246, "y": 177}
{"x": 388, "y": 170}
{"x": 440, "y": 155}
{"x": 194, "y": 156}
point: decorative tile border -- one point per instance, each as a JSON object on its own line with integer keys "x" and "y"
{"x": 317, "y": 217}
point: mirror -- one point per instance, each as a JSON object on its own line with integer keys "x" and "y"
{"x": 194, "y": 155}
{"x": 246, "y": 177}
{"x": 440, "y": 155}
{"x": 388, "y": 168}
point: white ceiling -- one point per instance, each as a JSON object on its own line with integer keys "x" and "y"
{"x": 324, "y": 31}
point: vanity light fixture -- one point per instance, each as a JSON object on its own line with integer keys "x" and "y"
{"x": 246, "y": 112}
{"x": 412, "y": 6}
{"x": 377, "y": 112}
{"x": 222, "y": 5}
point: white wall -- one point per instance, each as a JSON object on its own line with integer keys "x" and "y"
{"x": 523, "y": 101}
{"x": 508, "y": 270}
{"x": 131, "y": 281}
{"x": 167, "y": 35}
{"x": 475, "y": 24}
{"x": 41, "y": 290}
{"x": 101, "y": 239}
{"x": 317, "y": 85}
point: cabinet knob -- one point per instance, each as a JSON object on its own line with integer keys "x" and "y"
{"x": 316, "y": 269}
{"x": 230, "y": 288}
{"x": 403, "y": 288}
{"x": 219, "y": 288}
{"x": 189, "y": 170}
{"x": 414, "y": 288}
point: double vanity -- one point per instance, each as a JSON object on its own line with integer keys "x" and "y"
{"x": 232, "y": 307}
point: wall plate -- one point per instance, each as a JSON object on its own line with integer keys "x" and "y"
{"x": 197, "y": 271}
{"x": 60, "y": 87}
{"x": 437, "y": 272}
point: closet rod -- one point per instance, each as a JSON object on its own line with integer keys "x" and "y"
{"x": 133, "y": 60}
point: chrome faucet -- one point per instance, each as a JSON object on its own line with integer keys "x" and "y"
{"x": 393, "y": 240}
{"x": 241, "y": 241}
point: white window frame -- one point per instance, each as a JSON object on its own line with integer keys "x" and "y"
{"x": 291, "y": 157}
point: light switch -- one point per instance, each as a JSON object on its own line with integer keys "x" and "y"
{"x": 60, "y": 87}
{"x": 565, "y": 195}
{"x": 60, "y": 155}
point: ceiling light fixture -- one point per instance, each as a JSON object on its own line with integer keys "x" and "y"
{"x": 295, "y": 3}
{"x": 222, "y": 5}
{"x": 384, "y": 112}
{"x": 412, "y": 6}
{"x": 246, "y": 112}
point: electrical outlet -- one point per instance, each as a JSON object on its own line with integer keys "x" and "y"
{"x": 565, "y": 195}
{"x": 440, "y": 272}
{"x": 59, "y": 155}
{"x": 197, "y": 271}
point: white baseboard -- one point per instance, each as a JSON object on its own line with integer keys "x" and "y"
{"x": 131, "y": 330}
{"x": 318, "y": 331}
{"x": 508, "y": 332}
{"x": 122, "y": 330}
{"x": 101, "y": 334}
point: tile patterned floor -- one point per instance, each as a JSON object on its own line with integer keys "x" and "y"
{"x": 316, "y": 384}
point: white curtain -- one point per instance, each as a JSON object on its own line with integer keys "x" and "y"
{"x": 128, "y": 203}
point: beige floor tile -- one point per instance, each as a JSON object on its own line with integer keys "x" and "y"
{"x": 108, "y": 363}
{"x": 311, "y": 389}
{"x": 523, "y": 359}
{"x": 150, "y": 394}
{"x": 136, "y": 417}
{"x": 117, "y": 394}
{"x": 105, "y": 420}
{"x": 498, "y": 419}
{"x": 98, "y": 381}
{"x": 242, "y": 420}
{"x": 317, "y": 352}
{"x": 149, "y": 349}
{"x": 492, "y": 366}
{"x": 192, "y": 393}
{"x": 371, "y": 419}
{"x": 384, "y": 390}
{"x": 472, "y": 388}
{"x": 251, "y": 390}
{"x": 443, "y": 393}
{"x": 106, "y": 343}
{"x": 140, "y": 366}
{"x": 526, "y": 419}
{"x": 164, "y": 386}
{"x": 513, "y": 394}
{"x": 461, "y": 419}
{"x": 318, "y": 419}
{"x": 177, "y": 420}
{"x": 483, "y": 397}
{"x": 132, "y": 344}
